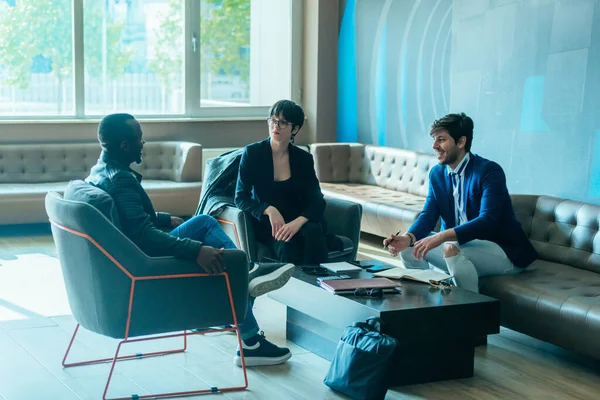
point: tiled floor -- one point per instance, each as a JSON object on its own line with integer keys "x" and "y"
{"x": 36, "y": 326}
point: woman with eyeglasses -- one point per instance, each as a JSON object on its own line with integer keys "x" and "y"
{"x": 278, "y": 186}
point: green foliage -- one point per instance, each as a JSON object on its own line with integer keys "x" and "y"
{"x": 44, "y": 27}
{"x": 224, "y": 34}
{"x": 169, "y": 44}
{"x": 118, "y": 55}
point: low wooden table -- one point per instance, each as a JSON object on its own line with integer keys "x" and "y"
{"x": 436, "y": 330}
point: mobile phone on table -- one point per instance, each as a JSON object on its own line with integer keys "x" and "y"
{"x": 362, "y": 264}
{"x": 377, "y": 268}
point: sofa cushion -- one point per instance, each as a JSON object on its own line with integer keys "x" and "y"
{"x": 551, "y": 301}
{"x": 79, "y": 190}
{"x": 339, "y": 162}
{"x": 45, "y": 163}
{"x": 390, "y": 183}
{"x": 53, "y": 162}
{"x": 176, "y": 198}
{"x": 562, "y": 231}
{"x": 23, "y": 203}
{"x": 172, "y": 174}
{"x": 384, "y": 210}
{"x": 397, "y": 169}
{"x": 171, "y": 161}
{"x": 391, "y": 168}
{"x": 22, "y": 191}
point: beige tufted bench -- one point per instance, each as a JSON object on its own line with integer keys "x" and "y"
{"x": 557, "y": 298}
{"x": 391, "y": 184}
{"x": 172, "y": 176}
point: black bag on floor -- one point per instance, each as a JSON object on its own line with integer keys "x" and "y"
{"x": 359, "y": 366}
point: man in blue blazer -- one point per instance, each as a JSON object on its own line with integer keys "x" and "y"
{"x": 479, "y": 233}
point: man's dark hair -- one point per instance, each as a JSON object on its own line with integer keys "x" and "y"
{"x": 291, "y": 111}
{"x": 457, "y": 126}
{"x": 114, "y": 129}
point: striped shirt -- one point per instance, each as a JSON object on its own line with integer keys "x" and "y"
{"x": 458, "y": 190}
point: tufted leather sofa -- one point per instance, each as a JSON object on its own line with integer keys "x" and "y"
{"x": 391, "y": 184}
{"x": 557, "y": 298}
{"x": 172, "y": 176}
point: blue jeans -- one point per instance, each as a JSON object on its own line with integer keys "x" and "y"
{"x": 207, "y": 230}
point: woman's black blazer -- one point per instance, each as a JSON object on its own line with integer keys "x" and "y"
{"x": 256, "y": 174}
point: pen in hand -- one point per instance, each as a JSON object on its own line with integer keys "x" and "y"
{"x": 386, "y": 246}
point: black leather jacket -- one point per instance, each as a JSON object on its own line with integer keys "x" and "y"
{"x": 139, "y": 221}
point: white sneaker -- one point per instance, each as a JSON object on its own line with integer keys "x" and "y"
{"x": 266, "y": 277}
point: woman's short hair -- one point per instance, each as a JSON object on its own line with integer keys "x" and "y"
{"x": 291, "y": 111}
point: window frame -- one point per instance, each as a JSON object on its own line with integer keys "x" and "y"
{"x": 191, "y": 77}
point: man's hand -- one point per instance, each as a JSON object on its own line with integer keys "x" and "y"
{"x": 211, "y": 260}
{"x": 275, "y": 219}
{"x": 422, "y": 247}
{"x": 396, "y": 244}
{"x": 175, "y": 222}
{"x": 287, "y": 231}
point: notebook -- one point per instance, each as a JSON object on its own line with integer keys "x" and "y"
{"x": 419, "y": 275}
{"x": 349, "y": 285}
{"x": 340, "y": 267}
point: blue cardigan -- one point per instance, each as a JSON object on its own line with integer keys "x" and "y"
{"x": 489, "y": 210}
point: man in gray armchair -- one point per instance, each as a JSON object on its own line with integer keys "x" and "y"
{"x": 199, "y": 239}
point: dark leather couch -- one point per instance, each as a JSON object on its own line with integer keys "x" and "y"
{"x": 557, "y": 298}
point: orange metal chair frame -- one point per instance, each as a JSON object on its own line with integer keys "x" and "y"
{"x": 237, "y": 236}
{"x": 114, "y": 359}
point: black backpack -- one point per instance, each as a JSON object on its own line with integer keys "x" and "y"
{"x": 359, "y": 366}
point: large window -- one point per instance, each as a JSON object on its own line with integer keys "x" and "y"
{"x": 245, "y": 52}
{"x": 36, "y": 58}
{"x": 190, "y": 58}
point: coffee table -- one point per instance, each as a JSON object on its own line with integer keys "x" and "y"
{"x": 436, "y": 330}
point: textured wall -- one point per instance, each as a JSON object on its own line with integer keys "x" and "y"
{"x": 526, "y": 71}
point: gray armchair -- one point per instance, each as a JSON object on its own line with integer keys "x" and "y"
{"x": 115, "y": 290}
{"x": 342, "y": 217}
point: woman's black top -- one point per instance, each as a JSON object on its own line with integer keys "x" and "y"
{"x": 256, "y": 188}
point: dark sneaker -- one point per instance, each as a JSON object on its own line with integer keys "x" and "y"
{"x": 266, "y": 277}
{"x": 215, "y": 328}
{"x": 262, "y": 352}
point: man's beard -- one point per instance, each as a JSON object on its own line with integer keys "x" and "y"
{"x": 451, "y": 157}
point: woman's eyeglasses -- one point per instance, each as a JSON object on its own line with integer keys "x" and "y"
{"x": 375, "y": 292}
{"x": 441, "y": 284}
{"x": 281, "y": 124}
{"x": 319, "y": 271}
